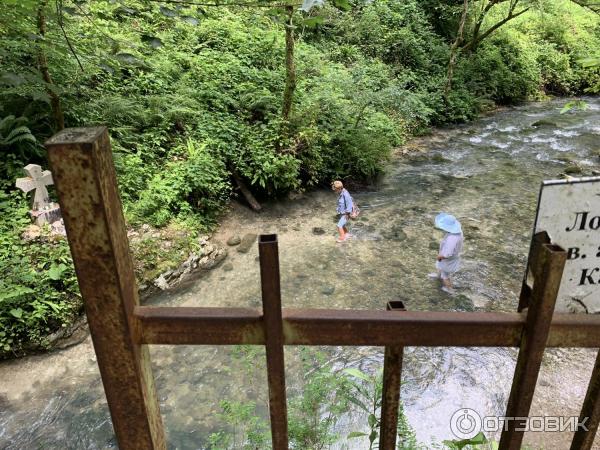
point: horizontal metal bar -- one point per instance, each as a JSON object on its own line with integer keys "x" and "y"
{"x": 229, "y": 326}
{"x": 190, "y": 325}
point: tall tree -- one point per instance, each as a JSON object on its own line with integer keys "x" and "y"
{"x": 42, "y": 62}
{"x": 290, "y": 65}
{"x": 455, "y": 48}
{"x": 486, "y": 6}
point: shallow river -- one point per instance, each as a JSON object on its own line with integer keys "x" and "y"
{"x": 486, "y": 173}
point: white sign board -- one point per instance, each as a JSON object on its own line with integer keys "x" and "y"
{"x": 569, "y": 211}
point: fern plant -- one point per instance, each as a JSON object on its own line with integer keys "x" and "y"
{"x": 15, "y": 135}
{"x": 18, "y": 147}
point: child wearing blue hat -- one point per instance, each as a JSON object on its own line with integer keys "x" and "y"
{"x": 448, "y": 259}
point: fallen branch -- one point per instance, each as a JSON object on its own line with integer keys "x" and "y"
{"x": 245, "y": 191}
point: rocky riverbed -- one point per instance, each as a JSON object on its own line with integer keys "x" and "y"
{"x": 486, "y": 173}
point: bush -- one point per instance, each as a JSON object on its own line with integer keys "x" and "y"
{"x": 195, "y": 182}
{"x": 38, "y": 288}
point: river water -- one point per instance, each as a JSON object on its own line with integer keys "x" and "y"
{"x": 486, "y": 173}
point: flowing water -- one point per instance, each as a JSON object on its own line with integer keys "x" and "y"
{"x": 486, "y": 173}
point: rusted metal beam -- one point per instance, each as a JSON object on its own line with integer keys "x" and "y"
{"x": 206, "y": 326}
{"x": 230, "y": 326}
{"x": 548, "y": 273}
{"x": 590, "y": 412}
{"x": 532, "y": 268}
{"x": 83, "y": 170}
{"x": 392, "y": 377}
{"x": 273, "y": 331}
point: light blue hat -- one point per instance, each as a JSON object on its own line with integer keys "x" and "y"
{"x": 448, "y": 223}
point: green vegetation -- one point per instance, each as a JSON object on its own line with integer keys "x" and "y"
{"x": 38, "y": 288}
{"x": 280, "y": 98}
{"x": 320, "y": 399}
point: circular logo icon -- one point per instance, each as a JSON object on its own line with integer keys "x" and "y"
{"x": 465, "y": 423}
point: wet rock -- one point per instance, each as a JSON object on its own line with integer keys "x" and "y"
{"x": 573, "y": 169}
{"x": 327, "y": 290}
{"x": 234, "y": 240}
{"x": 463, "y": 303}
{"x": 208, "y": 249}
{"x": 566, "y": 157}
{"x": 208, "y": 262}
{"x": 395, "y": 234}
{"x": 69, "y": 336}
{"x": 228, "y": 267}
{"x": 417, "y": 209}
{"x": 318, "y": 231}
{"x": 544, "y": 123}
{"x": 246, "y": 242}
{"x": 439, "y": 158}
{"x": 210, "y": 256}
{"x": 161, "y": 283}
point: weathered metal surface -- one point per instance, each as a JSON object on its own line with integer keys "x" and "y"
{"x": 392, "y": 377}
{"x": 533, "y": 265}
{"x": 273, "y": 330}
{"x": 207, "y": 326}
{"x": 584, "y": 439}
{"x": 533, "y": 341}
{"x": 83, "y": 170}
{"x": 411, "y": 328}
{"x": 185, "y": 325}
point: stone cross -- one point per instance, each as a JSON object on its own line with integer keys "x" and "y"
{"x": 37, "y": 180}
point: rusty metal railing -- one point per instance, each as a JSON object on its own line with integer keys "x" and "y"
{"x": 121, "y": 329}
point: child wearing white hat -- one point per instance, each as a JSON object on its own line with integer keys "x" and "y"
{"x": 448, "y": 259}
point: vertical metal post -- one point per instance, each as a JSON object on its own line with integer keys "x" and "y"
{"x": 533, "y": 268}
{"x": 392, "y": 377}
{"x": 271, "y": 296}
{"x": 83, "y": 170}
{"x": 548, "y": 273}
{"x": 590, "y": 412}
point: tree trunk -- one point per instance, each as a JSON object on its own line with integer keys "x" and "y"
{"x": 290, "y": 67}
{"x": 481, "y": 18}
{"x": 245, "y": 191}
{"x": 454, "y": 49}
{"x": 43, "y": 67}
{"x": 474, "y": 43}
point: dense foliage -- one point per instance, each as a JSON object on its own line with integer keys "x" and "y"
{"x": 38, "y": 288}
{"x": 193, "y": 95}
